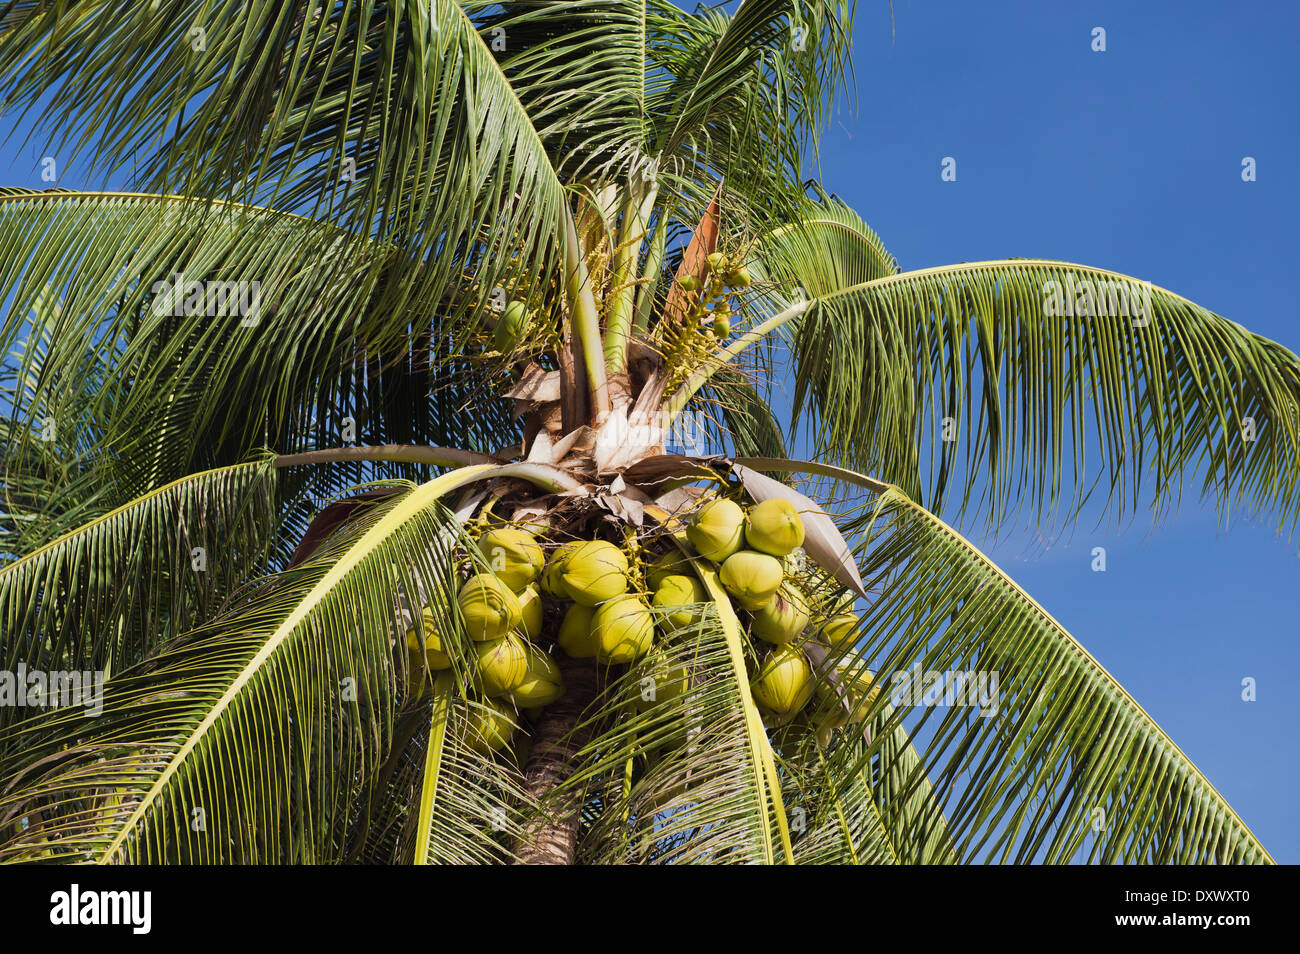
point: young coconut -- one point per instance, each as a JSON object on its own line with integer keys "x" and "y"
{"x": 514, "y": 555}
{"x": 679, "y": 598}
{"x": 784, "y": 682}
{"x": 752, "y": 578}
{"x": 860, "y": 691}
{"x": 670, "y": 563}
{"x": 595, "y": 571}
{"x": 431, "y": 645}
{"x": 718, "y": 529}
{"x": 840, "y": 630}
{"x": 530, "y": 612}
{"x": 510, "y": 327}
{"x": 489, "y": 726}
{"x": 575, "y": 636}
{"x": 783, "y": 618}
{"x": 624, "y": 630}
{"x": 502, "y": 664}
{"x": 659, "y": 680}
{"x": 774, "y": 527}
{"x": 542, "y": 683}
{"x": 490, "y": 608}
{"x": 552, "y": 582}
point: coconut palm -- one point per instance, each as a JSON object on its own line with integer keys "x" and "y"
{"x": 526, "y": 272}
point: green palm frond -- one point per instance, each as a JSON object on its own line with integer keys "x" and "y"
{"x": 968, "y": 383}
{"x": 102, "y": 596}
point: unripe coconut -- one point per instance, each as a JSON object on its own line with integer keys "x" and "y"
{"x": 510, "y": 327}
{"x": 489, "y": 727}
{"x": 783, "y": 618}
{"x": 552, "y": 582}
{"x": 774, "y": 527}
{"x": 490, "y": 608}
{"x": 688, "y": 283}
{"x": 530, "y": 612}
{"x": 740, "y": 278}
{"x": 671, "y": 563}
{"x": 752, "y": 578}
{"x": 721, "y": 327}
{"x": 784, "y": 682}
{"x": 624, "y": 630}
{"x": 718, "y": 529}
{"x": 716, "y": 261}
{"x": 840, "y": 630}
{"x": 502, "y": 664}
{"x": 860, "y": 691}
{"x": 575, "y": 636}
{"x": 658, "y": 680}
{"x": 596, "y": 571}
{"x": 678, "y": 597}
{"x": 514, "y": 555}
{"x": 431, "y": 645}
{"x": 542, "y": 683}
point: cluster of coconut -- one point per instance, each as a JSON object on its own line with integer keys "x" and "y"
{"x": 711, "y": 308}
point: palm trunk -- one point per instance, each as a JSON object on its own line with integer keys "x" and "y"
{"x": 557, "y": 737}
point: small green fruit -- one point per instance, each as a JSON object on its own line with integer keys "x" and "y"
{"x": 679, "y": 597}
{"x": 752, "y": 578}
{"x": 575, "y": 636}
{"x": 489, "y": 726}
{"x": 784, "y": 682}
{"x": 840, "y": 630}
{"x": 774, "y": 527}
{"x": 740, "y": 278}
{"x": 530, "y": 615}
{"x": 510, "y": 327}
{"x": 502, "y": 664}
{"x": 432, "y": 644}
{"x": 624, "y": 630}
{"x": 490, "y": 608}
{"x": 783, "y": 618}
{"x": 657, "y": 680}
{"x": 671, "y": 563}
{"x": 596, "y": 571}
{"x": 552, "y": 582}
{"x": 721, "y": 327}
{"x": 718, "y": 529}
{"x": 860, "y": 691}
{"x": 514, "y": 555}
{"x": 716, "y": 261}
{"x": 688, "y": 283}
{"x": 542, "y": 683}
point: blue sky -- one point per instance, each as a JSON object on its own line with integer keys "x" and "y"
{"x": 1130, "y": 160}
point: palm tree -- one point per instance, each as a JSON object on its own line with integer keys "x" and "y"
{"x": 400, "y": 275}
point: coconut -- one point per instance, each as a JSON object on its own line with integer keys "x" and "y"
{"x": 716, "y": 261}
{"x": 670, "y": 563}
{"x": 502, "y": 664}
{"x": 718, "y": 529}
{"x": 530, "y": 612}
{"x": 752, "y": 578}
{"x": 595, "y": 571}
{"x": 721, "y": 326}
{"x": 552, "y": 583}
{"x": 542, "y": 683}
{"x": 489, "y": 726}
{"x": 688, "y": 283}
{"x": 575, "y": 636}
{"x": 657, "y": 680}
{"x": 679, "y": 598}
{"x": 774, "y": 527}
{"x": 741, "y": 278}
{"x": 514, "y": 555}
{"x": 490, "y": 608}
{"x": 510, "y": 327}
{"x": 860, "y": 691}
{"x": 784, "y": 682}
{"x": 783, "y": 618}
{"x": 431, "y": 645}
{"x": 840, "y": 630}
{"x": 623, "y": 628}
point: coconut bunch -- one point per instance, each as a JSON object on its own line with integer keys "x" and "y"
{"x": 705, "y": 321}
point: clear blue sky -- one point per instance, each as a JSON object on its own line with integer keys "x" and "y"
{"x": 1131, "y": 160}
{"x": 1128, "y": 159}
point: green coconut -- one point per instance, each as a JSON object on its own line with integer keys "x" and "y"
{"x": 657, "y": 680}
{"x": 552, "y": 582}
{"x": 530, "y": 612}
{"x": 784, "y": 682}
{"x": 670, "y": 563}
{"x": 752, "y": 578}
{"x": 595, "y": 571}
{"x": 623, "y": 628}
{"x": 510, "y": 327}
{"x": 514, "y": 555}
{"x": 575, "y": 636}
{"x": 783, "y": 618}
{"x": 774, "y": 527}
{"x": 721, "y": 326}
{"x": 679, "y": 599}
{"x": 489, "y": 606}
{"x": 860, "y": 690}
{"x": 489, "y": 726}
{"x": 502, "y": 664}
{"x": 840, "y": 630}
{"x": 717, "y": 530}
{"x": 542, "y": 683}
{"x": 431, "y": 644}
